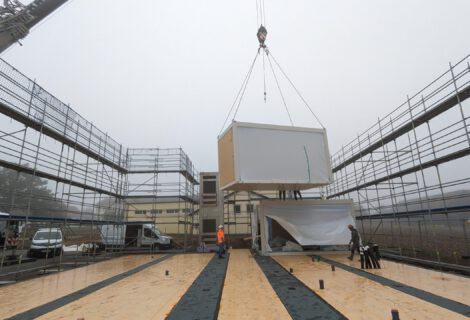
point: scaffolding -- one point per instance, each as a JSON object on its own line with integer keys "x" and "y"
{"x": 408, "y": 173}
{"x": 157, "y": 176}
{"x": 58, "y": 170}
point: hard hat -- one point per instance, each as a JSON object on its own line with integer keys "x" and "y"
{"x": 220, "y": 227}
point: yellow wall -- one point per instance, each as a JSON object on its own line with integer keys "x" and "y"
{"x": 168, "y": 222}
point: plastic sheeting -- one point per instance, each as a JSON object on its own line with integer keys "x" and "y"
{"x": 310, "y": 222}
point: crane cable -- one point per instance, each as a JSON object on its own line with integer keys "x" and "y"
{"x": 260, "y": 13}
{"x": 296, "y": 90}
{"x": 264, "y": 80}
{"x": 257, "y": 14}
{"x": 279, "y": 87}
{"x": 240, "y": 93}
{"x": 260, "y": 16}
{"x": 264, "y": 12}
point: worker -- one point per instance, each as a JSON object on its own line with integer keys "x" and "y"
{"x": 354, "y": 243}
{"x": 297, "y": 193}
{"x": 12, "y": 241}
{"x": 262, "y": 34}
{"x": 220, "y": 240}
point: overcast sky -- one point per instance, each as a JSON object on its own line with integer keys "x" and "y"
{"x": 165, "y": 73}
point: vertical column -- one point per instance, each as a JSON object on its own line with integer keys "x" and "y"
{"x": 430, "y": 215}
{"x": 456, "y": 89}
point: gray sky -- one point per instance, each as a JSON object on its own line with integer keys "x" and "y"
{"x": 165, "y": 73}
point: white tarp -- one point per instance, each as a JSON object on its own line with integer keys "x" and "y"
{"x": 310, "y": 222}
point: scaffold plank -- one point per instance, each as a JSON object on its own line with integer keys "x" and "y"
{"x": 27, "y": 121}
{"x": 432, "y": 163}
{"x": 41, "y": 174}
{"x": 426, "y": 116}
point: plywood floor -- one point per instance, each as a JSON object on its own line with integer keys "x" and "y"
{"x": 148, "y": 294}
{"x": 22, "y": 296}
{"x": 247, "y": 293}
{"x": 360, "y": 298}
{"x": 440, "y": 283}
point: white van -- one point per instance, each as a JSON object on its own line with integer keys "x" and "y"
{"x": 47, "y": 241}
{"x": 135, "y": 235}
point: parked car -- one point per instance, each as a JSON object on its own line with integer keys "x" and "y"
{"x": 135, "y": 235}
{"x": 47, "y": 241}
{"x": 3, "y": 225}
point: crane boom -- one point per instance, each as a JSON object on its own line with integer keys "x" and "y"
{"x": 16, "y": 19}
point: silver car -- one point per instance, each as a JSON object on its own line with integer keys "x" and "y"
{"x": 48, "y": 241}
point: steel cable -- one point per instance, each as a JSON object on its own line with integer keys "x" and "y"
{"x": 297, "y": 91}
{"x": 240, "y": 93}
{"x": 280, "y": 91}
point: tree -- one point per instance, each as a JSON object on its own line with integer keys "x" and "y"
{"x": 24, "y": 194}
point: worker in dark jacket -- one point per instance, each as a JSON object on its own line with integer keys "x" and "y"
{"x": 297, "y": 193}
{"x": 354, "y": 242}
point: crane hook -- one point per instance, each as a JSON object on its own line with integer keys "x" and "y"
{"x": 262, "y": 34}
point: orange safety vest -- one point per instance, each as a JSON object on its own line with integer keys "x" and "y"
{"x": 220, "y": 236}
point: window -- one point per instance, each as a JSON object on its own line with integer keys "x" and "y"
{"x": 156, "y": 211}
{"x": 237, "y": 208}
{"x": 187, "y": 210}
{"x": 140, "y": 211}
{"x": 250, "y": 208}
{"x": 148, "y": 233}
{"x": 208, "y": 225}
{"x": 209, "y": 190}
{"x": 47, "y": 235}
{"x": 172, "y": 210}
{"x": 209, "y": 186}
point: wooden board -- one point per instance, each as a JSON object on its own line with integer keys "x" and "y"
{"x": 226, "y": 159}
{"x": 247, "y": 293}
{"x": 446, "y": 285}
{"x": 360, "y": 298}
{"x": 148, "y": 294}
{"x": 22, "y": 296}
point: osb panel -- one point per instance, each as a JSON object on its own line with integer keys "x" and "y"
{"x": 247, "y": 293}
{"x": 35, "y": 292}
{"x": 148, "y": 294}
{"x": 226, "y": 159}
{"x": 357, "y": 297}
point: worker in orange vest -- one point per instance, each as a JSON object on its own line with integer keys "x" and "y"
{"x": 220, "y": 240}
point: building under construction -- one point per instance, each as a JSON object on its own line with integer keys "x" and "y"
{"x": 92, "y": 229}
